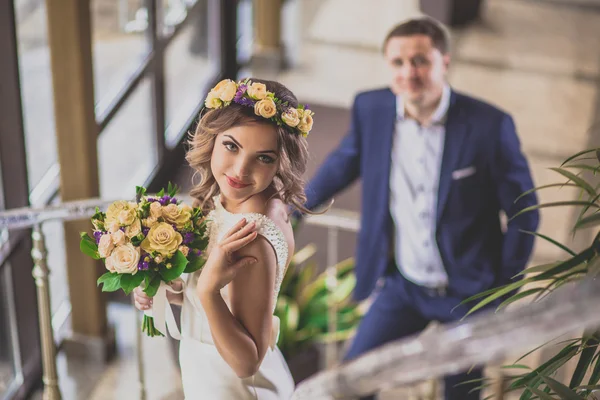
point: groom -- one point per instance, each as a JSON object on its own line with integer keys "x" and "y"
{"x": 437, "y": 167}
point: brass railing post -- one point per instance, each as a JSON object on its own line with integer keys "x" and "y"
{"x": 40, "y": 273}
{"x": 140, "y": 357}
{"x": 331, "y": 283}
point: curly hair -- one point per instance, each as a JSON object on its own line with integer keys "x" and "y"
{"x": 293, "y": 150}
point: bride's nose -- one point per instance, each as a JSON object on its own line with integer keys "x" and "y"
{"x": 242, "y": 168}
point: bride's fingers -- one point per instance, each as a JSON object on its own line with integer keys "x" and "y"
{"x": 235, "y": 245}
{"x": 239, "y": 225}
{"x": 240, "y": 233}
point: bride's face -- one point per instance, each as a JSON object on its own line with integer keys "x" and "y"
{"x": 244, "y": 160}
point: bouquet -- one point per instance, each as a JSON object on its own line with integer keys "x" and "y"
{"x": 149, "y": 242}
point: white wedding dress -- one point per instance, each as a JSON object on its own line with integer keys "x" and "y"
{"x": 205, "y": 374}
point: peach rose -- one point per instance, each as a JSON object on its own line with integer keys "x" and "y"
{"x": 118, "y": 238}
{"x": 212, "y": 101}
{"x": 306, "y": 122}
{"x": 174, "y": 214}
{"x": 155, "y": 209}
{"x": 291, "y": 117}
{"x": 257, "y": 91}
{"x": 163, "y": 239}
{"x": 124, "y": 259}
{"x": 225, "y": 90}
{"x": 105, "y": 245}
{"x": 134, "y": 229}
{"x": 265, "y": 108}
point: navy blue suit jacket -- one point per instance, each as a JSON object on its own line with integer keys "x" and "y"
{"x": 477, "y": 254}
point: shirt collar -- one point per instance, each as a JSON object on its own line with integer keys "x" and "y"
{"x": 440, "y": 112}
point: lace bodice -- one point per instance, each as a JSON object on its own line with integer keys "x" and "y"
{"x": 221, "y": 221}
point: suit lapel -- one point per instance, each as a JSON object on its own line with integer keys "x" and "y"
{"x": 385, "y": 127}
{"x": 457, "y": 131}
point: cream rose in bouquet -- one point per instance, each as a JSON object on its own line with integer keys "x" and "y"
{"x": 149, "y": 242}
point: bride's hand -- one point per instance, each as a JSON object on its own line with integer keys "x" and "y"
{"x": 222, "y": 264}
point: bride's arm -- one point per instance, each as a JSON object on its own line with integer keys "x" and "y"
{"x": 242, "y": 335}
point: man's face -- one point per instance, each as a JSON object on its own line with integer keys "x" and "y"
{"x": 418, "y": 68}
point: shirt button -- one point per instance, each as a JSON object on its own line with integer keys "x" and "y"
{"x": 422, "y": 161}
{"x": 424, "y": 215}
{"x": 420, "y": 189}
{"x": 426, "y": 244}
{"x": 429, "y": 268}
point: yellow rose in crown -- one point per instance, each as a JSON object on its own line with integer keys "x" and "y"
{"x": 257, "y": 91}
{"x": 225, "y": 90}
{"x": 163, "y": 239}
{"x": 177, "y": 215}
{"x": 291, "y": 117}
{"x": 306, "y": 121}
{"x": 266, "y": 108}
{"x": 213, "y": 101}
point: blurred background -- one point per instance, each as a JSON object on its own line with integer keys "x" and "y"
{"x": 98, "y": 96}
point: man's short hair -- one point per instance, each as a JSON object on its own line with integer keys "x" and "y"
{"x": 422, "y": 26}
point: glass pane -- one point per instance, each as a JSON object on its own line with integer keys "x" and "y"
{"x": 36, "y": 90}
{"x": 187, "y": 69}
{"x": 175, "y": 12}
{"x": 8, "y": 371}
{"x": 127, "y": 147}
{"x": 119, "y": 44}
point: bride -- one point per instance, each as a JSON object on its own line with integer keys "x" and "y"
{"x": 250, "y": 151}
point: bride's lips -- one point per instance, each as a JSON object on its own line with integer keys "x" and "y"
{"x": 234, "y": 183}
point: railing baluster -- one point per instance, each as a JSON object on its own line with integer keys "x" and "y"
{"x": 140, "y": 356}
{"x": 331, "y": 283}
{"x": 40, "y": 273}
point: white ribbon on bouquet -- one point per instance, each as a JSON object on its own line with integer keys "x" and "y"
{"x": 162, "y": 313}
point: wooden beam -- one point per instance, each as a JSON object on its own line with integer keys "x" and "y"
{"x": 69, "y": 33}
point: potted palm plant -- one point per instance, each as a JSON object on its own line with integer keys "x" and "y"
{"x": 538, "y": 282}
{"x": 302, "y": 307}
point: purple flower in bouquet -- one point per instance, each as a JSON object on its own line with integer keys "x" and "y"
{"x": 97, "y": 236}
{"x": 188, "y": 238}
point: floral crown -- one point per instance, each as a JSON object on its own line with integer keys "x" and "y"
{"x": 253, "y": 94}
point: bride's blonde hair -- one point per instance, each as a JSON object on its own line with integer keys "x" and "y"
{"x": 293, "y": 150}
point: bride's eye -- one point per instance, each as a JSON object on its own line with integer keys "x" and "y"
{"x": 266, "y": 159}
{"x": 230, "y": 146}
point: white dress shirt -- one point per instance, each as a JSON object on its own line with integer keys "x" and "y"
{"x": 414, "y": 178}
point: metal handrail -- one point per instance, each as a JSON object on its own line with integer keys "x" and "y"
{"x": 35, "y": 217}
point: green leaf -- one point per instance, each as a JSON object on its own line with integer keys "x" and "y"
{"x": 140, "y": 192}
{"x": 195, "y": 264}
{"x": 585, "y": 360}
{"x": 540, "y": 394}
{"x": 161, "y": 193}
{"x": 88, "y": 246}
{"x": 499, "y": 292}
{"x": 581, "y": 153}
{"x": 549, "y": 239}
{"x": 178, "y": 262}
{"x": 517, "y": 366}
{"x": 555, "y": 204}
{"x": 578, "y": 180}
{"x": 519, "y": 296}
{"x": 535, "y": 189}
{"x": 534, "y": 377}
{"x": 563, "y": 391}
{"x": 152, "y": 284}
{"x": 583, "y": 166}
{"x": 130, "y": 282}
{"x": 538, "y": 268}
{"x": 588, "y": 222}
{"x": 595, "y": 376}
{"x": 110, "y": 281}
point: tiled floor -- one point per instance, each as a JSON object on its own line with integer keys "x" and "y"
{"x": 539, "y": 60}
